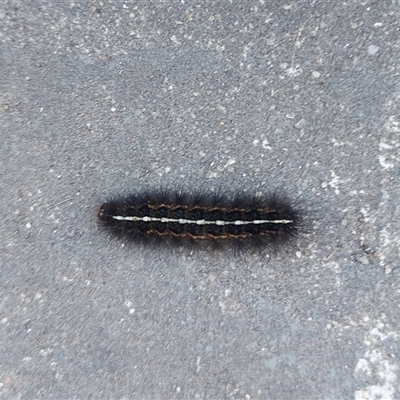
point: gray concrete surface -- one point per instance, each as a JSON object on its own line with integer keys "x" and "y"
{"x": 106, "y": 97}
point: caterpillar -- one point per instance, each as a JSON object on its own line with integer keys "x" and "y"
{"x": 163, "y": 217}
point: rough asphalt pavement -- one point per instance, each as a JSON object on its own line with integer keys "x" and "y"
{"x": 107, "y": 97}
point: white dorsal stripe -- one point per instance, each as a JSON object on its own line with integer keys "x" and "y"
{"x": 201, "y": 221}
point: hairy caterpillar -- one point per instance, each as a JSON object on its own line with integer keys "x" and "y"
{"x": 180, "y": 218}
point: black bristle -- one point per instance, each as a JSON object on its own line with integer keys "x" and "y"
{"x": 180, "y": 218}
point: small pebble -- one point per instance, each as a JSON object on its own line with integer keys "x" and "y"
{"x": 372, "y": 49}
{"x": 300, "y": 124}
